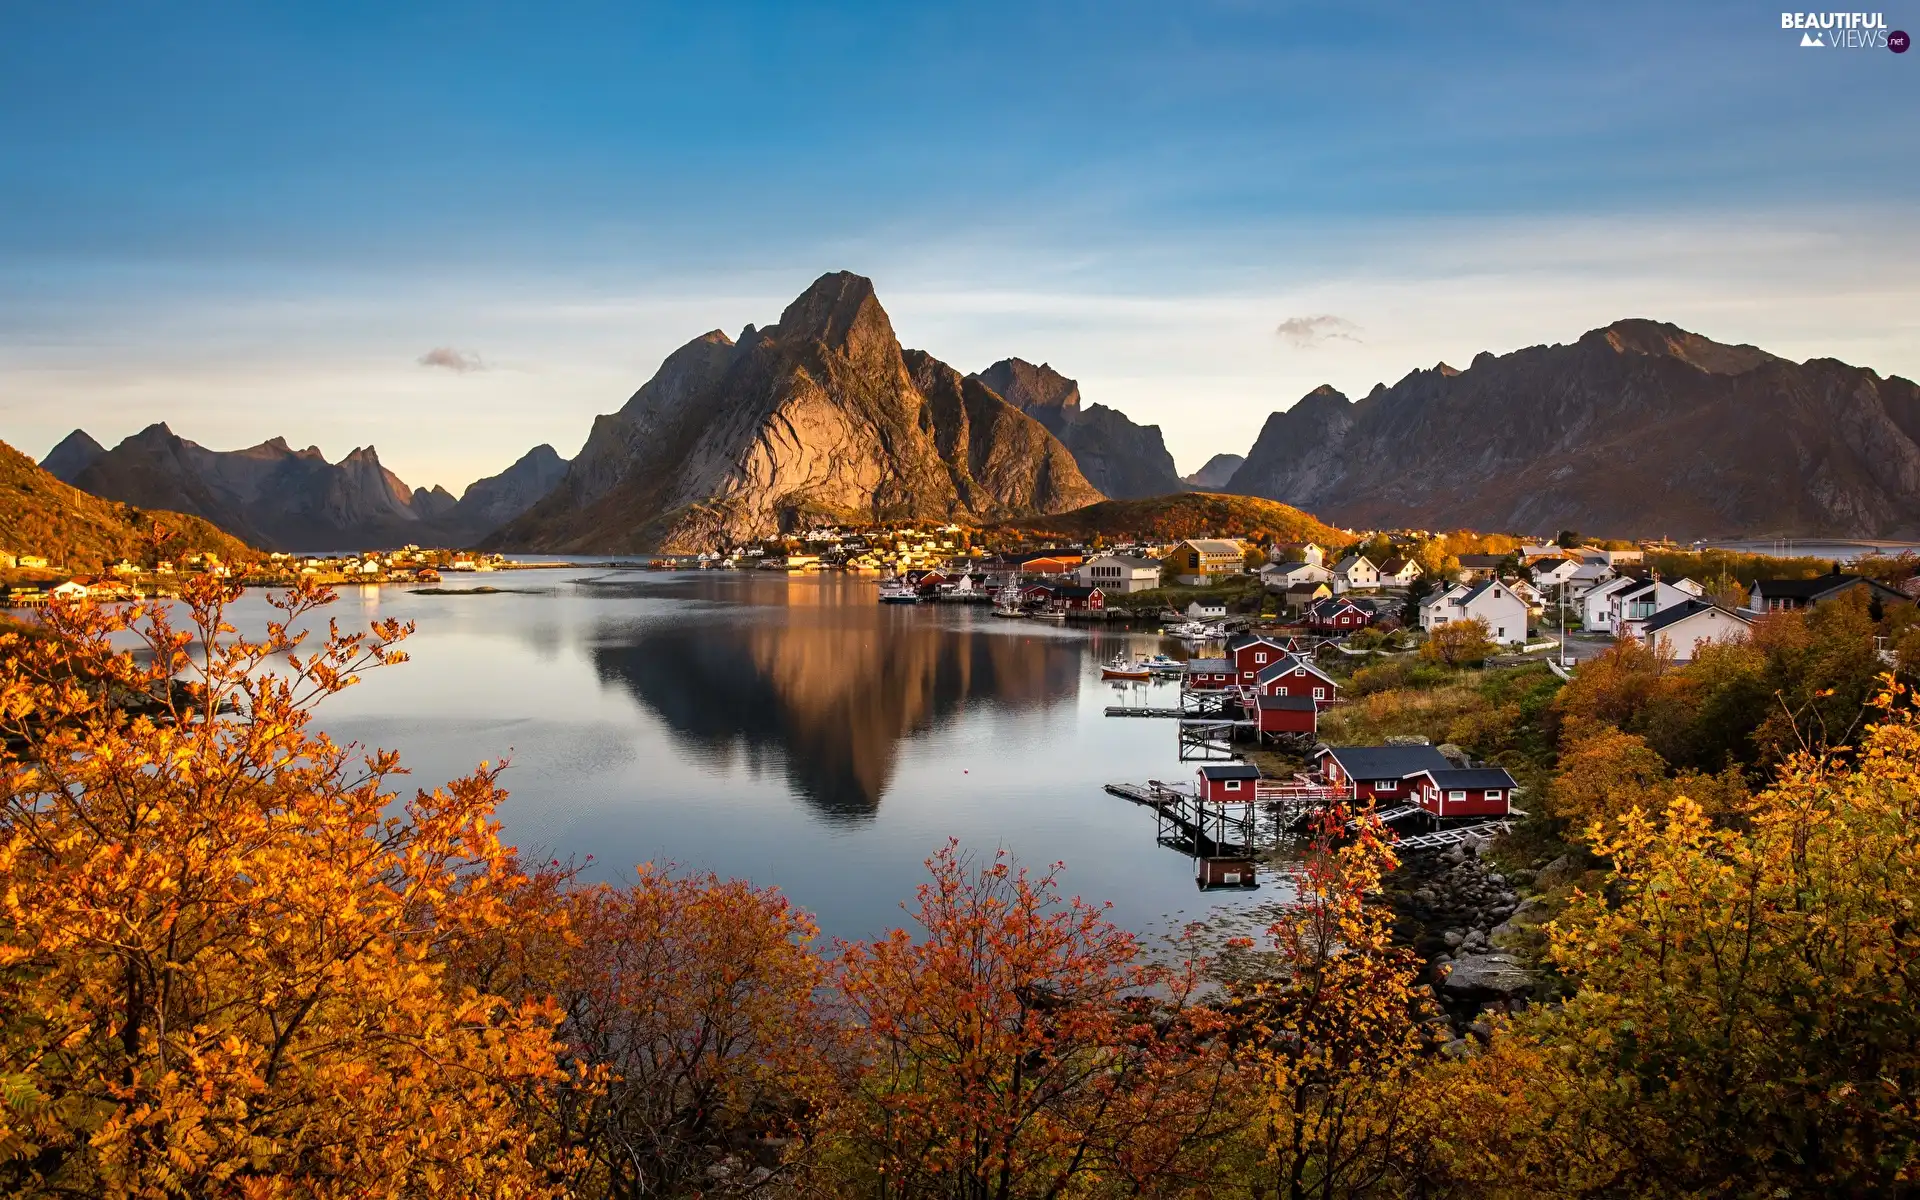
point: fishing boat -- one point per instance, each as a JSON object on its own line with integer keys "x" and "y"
{"x": 1123, "y": 667}
{"x": 1160, "y": 664}
{"x": 893, "y": 591}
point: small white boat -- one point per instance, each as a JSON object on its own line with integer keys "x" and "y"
{"x": 1123, "y": 667}
{"x": 1002, "y": 610}
{"x": 895, "y": 592}
{"x": 1160, "y": 663}
{"x": 1050, "y": 615}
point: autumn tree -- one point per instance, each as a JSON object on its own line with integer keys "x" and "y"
{"x": 1460, "y": 643}
{"x": 1022, "y": 1046}
{"x": 698, "y": 1040}
{"x": 1337, "y": 1031}
{"x": 1744, "y": 1018}
{"x": 222, "y": 935}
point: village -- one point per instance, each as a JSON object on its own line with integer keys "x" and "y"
{"x": 32, "y": 580}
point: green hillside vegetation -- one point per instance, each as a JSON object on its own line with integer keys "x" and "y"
{"x": 1185, "y": 515}
{"x": 70, "y": 528}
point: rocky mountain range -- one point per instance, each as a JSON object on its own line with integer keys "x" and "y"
{"x": 1639, "y": 428}
{"x": 1215, "y": 474}
{"x": 1124, "y": 460}
{"x": 822, "y": 415}
{"x": 274, "y": 496}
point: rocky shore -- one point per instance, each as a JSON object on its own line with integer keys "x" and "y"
{"x": 1459, "y": 913}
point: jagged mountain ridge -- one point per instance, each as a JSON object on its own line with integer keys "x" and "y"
{"x": 1124, "y": 460}
{"x": 274, "y": 496}
{"x": 1639, "y": 428}
{"x": 822, "y": 414}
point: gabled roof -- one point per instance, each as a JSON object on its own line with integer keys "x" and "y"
{"x": 1288, "y": 703}
{"x": 1229, "y": 771}
{"x": 1351, "y": 561}
{"x": 1483, "y": 588}
{"x": 1468, "y": 777}
{"x": 1394, "y": 566}
{"x": 1214, "y": 546}
{"x": 1287, "y": 665}
{"x": 1820, "y": 587}
{"x": 1386, "y": 762}
{"x": 1240, "y": 640}
{"x": 1131, "y": 562}
{"x": 1209, "y": 666}
{"x": 1685, "y": 610}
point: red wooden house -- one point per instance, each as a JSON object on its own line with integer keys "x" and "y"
{"x": 1378, "y": 772}
{"x": 1073, "y": 598}
{"x": 1222, "y": 782}
{"x": 1288, "y": 714}
{"x": 1463, "y": 792}
{"x": 1337, "y": 614}
{"x": 1207, "y": 674}
{"x": 1251, "y": 653}
{"x": 1292, "y": 675}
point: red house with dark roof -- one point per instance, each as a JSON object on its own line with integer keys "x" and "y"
{"x": 1227, "y": 781}
{"x": 1287, "y": 714}
{"x": 1463, "y": 791}
{"x": 1292, "y": 675}
{"x": 1207, "y": 674}
{"x": 1378, "y": 772}
{"x": 1337, "y": 614}
{"x": 1252, "y": 652}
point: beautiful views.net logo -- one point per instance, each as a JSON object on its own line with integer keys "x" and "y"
{"x": 1845, "y": 31}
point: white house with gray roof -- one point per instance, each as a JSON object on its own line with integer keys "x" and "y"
{"x": 1491, "y": 601}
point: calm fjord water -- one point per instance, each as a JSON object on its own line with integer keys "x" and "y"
{"x": 789, "y": 730}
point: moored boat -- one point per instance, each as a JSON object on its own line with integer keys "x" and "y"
{"x": 1123, "y": 667}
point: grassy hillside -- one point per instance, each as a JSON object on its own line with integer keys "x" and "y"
{"x": 40, "y": 515}
{"x": 1185, "y": 515}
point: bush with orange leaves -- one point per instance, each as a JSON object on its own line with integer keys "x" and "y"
{"x": 222, "y": 945}
{"x": 1022, "y": 1047}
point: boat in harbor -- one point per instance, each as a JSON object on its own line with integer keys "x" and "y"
{"x": 1160, "y": 664}
{"x": 892, "y": 591}
{"x": 1123, "y": 667}
{"x": 1195, "y": 631}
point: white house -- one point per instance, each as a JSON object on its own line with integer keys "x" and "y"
{"x": 1308, "y": 550}
{"x": 1552, "y": 572}
{"x": 1528, "y": 594}
{"x": 1612, "y": 558}
{"x": 1691, "y": 624}
{"x": 1542, "y": 550}
{"x": 1208, "y": 610}
{"x": 1629, "y": 608}
{"x": 1596, "y": 604}
{"x": 1119, "y": 573}
{"x": 1281, "y": 576}
{"x": 1492, "y": 601}
{"x": 1399, "y": 572}
{"x": 1354, "y": 573}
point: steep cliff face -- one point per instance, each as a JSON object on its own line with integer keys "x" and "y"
{"x": 1124, "y": 460}
{"x": 822, "y": 413}
{"x": 1639, "y": 428}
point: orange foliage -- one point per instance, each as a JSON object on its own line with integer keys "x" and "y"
{"x": 1021, "y": 1048}
{"x": 221, "y": 946}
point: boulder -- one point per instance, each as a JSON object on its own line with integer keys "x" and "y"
{"x": 1560, "y": 871}
{"x": 1487, "y": 977}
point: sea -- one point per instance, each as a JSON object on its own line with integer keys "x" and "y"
{"x": 786, "y": 729}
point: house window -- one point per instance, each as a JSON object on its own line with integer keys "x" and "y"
{"x": 1386, "y": 785}
{"x": 1500, "y": 632}
{"x": 1319, "y": 693}
{"x": 1233, "y": 785}
{"x": 1259, "y": 656}
{"x": 1456, "y": 796}
{"x": 1493, "y": 793}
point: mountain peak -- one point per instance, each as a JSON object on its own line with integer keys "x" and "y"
{"x": 838, "y": 309}
{"x": 1660, "y": 339}
{"x": 75, "y": 453}
{"x": 1028, "y": 387}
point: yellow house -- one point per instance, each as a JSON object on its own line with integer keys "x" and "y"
{"x": 1200, "y": 560}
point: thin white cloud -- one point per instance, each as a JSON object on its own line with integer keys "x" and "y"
{"x": 1304, "y": 333}
{"x": 458, "y": 361}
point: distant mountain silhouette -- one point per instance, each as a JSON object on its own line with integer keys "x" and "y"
{"x": 1216, "y": 474}
{"x": 274, "y": 496}
{"x": 41, "y": 515}
{"x": 1637, "y": 429}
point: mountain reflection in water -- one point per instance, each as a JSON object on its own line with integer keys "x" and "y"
{"x": 827, "y": 691}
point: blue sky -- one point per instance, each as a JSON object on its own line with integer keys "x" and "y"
{"x": 251, "y": 220}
